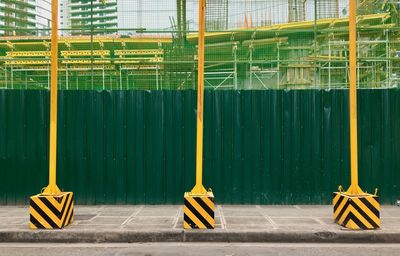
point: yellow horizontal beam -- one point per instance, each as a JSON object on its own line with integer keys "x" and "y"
{"x": 293, "y": 26}
{"x": 267, "y": 41}
{"x": 26, "y": 62}
{"x": 86, "y": 67}
{"x": 139, "y": 52}
{"x": 327, "y": 57}
{"x": 138, "y": 60}
{"x": 139, "y": 67}
{"x": 29, "y": 54}
{"x": 27, "y": 41}
{"x": 85, "y": 61}
{"x": 73, "y": 40}
{"x": 85, "y": 53}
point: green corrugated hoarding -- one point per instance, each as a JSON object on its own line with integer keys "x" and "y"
{"x": 138, "y": 147}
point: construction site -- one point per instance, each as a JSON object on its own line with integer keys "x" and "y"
{"x": 252, "y": 44}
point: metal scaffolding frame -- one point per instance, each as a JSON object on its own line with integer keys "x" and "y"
{"x": 302, "y": 54}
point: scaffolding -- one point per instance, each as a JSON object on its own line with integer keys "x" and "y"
{"x": 273, "y": 53}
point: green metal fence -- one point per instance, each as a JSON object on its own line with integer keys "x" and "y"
{"x": 138, "y": 147}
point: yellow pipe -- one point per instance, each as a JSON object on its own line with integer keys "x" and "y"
{"x": 295, "y": 25}
{"x": 199, "y": 188}
{"x": 52, "y": 188}
{"x": 354, "y": 187}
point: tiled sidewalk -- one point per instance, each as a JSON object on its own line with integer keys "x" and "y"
{"x": 169, "y": 218}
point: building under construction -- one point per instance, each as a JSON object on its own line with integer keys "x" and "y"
{"x": 273, "y": 44}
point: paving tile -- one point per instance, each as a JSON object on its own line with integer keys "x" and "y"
{"x": 253, "y": 220}
{"x": 316, "y": 210}
{"x": 327, "y": 220}
{"x": 151, "y": 221}
{"x": 83, "y": 216}
{"x": 120, "y": 211}
{"x": 294, "y": 221}
{"x": 4, "y": 221}
{"x": 283, "y": 211}
{"x": 241, "y": 211}
{"x": 105, "y": 220}
{"x": 158, "y": 211}
{"x": 140, "y": 227}
{"x": 390, "y": 211}
{"x": 84, "y": 209}
{"x": 24, "y": 226}
{"x": 249, "y": 227}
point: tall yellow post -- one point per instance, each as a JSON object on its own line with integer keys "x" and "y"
{"x": 52, "y": 209}
{"x": 354, "y": 188}
{"x": 199, "y": 188}
{"x": 199, "y": 203}
{"x": 52, "y": 188}
{"x": 354, "y": 208}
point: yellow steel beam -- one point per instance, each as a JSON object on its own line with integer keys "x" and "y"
{"x": 267, "y": 41}
{"x": 85, "y": 53}
{"x": 139, "y": 52}
{"x": 85, "y": 61}
{"x": 86, "y": 67}
{"x": 52, "y": 188}
{"x": 199, "y": 188}
{"x": 33, "y": 41}
{"x": 138, "y": 60}
{"x": 29, "y": 54}
{"x": 26, "y": 62}
{"x": 140, "y": 67}
{"x": 294, "y": 25}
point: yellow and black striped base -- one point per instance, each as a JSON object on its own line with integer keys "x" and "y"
{"x": 356, "y": 211}
{"x": 51, "y": 212}
{"x": 198, "y": 211}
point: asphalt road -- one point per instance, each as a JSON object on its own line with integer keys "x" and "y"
{"x": 202, "y": 249}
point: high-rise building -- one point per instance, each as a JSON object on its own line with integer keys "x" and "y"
{"x": 297, "y": 10}
{"x": 25, "y": 17}
{"x": 327, "y": 9}
{"x": 115, "y": 17}
{"x": 137, "y": 14}
{"x": 76, "y": 17}
{"x": 217, "y": 15}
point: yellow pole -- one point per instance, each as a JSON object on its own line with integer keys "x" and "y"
{"x": 52, "y": 188}
{"x": 199, "y": 188}
{"x": 354, "y": 187}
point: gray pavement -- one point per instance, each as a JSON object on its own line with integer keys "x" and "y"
{"x": 255, "y": 223}
{"x": 200, "y": 249}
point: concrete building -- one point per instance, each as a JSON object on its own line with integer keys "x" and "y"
{"x": 75, "y": 17}
{"x": 25, "y": 17}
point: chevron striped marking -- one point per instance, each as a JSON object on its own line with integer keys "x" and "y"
{"x": 51, "y": 212}
{"x": 356, "y": 212}
{"x": 199, "y": 212}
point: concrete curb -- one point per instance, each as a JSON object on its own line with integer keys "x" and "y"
{"x": 112, "y": 236}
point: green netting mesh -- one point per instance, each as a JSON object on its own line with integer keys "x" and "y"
{"x": 250, "y": 44}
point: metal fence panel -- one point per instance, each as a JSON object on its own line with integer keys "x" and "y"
{"x": 138, "y": 147}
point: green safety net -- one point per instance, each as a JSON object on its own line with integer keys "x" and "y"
{"x": 152, "y": 45}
